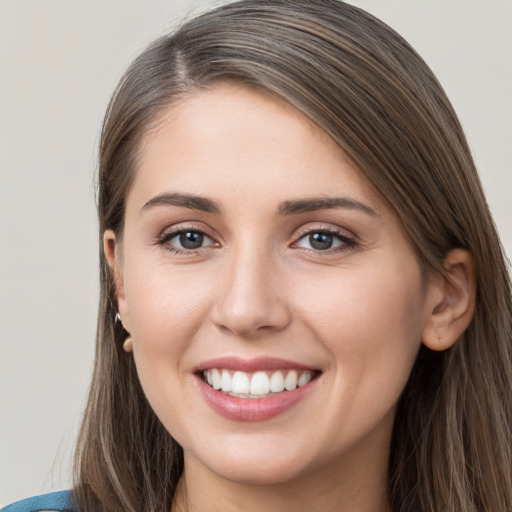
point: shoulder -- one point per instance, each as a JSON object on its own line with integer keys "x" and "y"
{"x": 55, "y": 501}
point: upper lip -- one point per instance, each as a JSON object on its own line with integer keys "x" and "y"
{"x": 251, "y": 365}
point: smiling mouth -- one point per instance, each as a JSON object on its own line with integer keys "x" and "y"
{"x": 259, "y": 384}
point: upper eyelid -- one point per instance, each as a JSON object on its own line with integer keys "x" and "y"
{"x": 334, "y": 230}
{"x": 298, "y": 234}
{"x": 181, "y": 227}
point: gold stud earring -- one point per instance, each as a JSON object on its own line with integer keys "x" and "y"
{"x": 128, "y": 345}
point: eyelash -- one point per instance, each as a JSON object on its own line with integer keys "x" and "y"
{"x": 168, "y": 235}
{"x": 347, "y": 243}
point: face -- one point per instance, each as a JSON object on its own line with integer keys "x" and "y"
{"x": 275, "y": 305}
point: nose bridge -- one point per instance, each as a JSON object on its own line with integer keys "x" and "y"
{"x": 249, "y": 300}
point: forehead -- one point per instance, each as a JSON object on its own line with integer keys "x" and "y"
{"x": 246, "y": 140}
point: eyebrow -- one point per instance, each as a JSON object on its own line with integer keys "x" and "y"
{"x": 310, "y": 205}
{"x": 293, "y": 207}
{"x": 189, "y": 201}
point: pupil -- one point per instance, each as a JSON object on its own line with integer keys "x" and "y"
{"x": 320, "y": 241}
{"x": 191, "y": 240}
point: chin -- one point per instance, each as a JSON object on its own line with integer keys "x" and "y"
{"x": 258, "y": 473}
{"x": 263, "y": 464}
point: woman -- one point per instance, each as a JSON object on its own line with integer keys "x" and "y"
{"x": 304, "y": 301}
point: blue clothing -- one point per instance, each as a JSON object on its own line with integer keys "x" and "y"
{"x": 60, "y": 501}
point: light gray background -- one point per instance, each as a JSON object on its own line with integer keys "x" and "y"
{"x": 59, "y": 62}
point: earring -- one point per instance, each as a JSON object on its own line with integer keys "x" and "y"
{"x": 128, "y": 345}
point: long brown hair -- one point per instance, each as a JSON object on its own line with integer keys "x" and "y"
{"x": 368, "y": 89}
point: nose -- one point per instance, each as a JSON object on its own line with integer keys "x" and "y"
{"x": 251, "y": 299}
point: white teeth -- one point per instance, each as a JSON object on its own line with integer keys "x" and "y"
{"x": 226, "y": 380}
{"x": 240, "y": 383}
{"x": 260, "y": 384}
{"x": 216, "y": 379}
{"x": 277, "y": 382}
{"x": 304, "y": 378}
{"x": 290, "y": 383}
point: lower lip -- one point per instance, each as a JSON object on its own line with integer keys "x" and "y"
{"x": 253, "y": 409}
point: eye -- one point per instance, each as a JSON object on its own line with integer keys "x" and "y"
{"x": 185, "y": 240}
{"x": 189, "y": 239}
{"x": 323, "y": 240}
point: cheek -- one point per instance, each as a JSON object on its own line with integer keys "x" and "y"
{"x": 163, "y": 300}
{"x": 371, "y": 320}
{"x": 166, "y": 307}
{"x": 371, "y": 323}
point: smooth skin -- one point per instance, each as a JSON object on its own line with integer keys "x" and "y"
{"x": 335, "y": 288}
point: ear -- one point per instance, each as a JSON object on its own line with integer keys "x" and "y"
{"x": 112, "y": 251}
{"x": 451, "y": 301}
